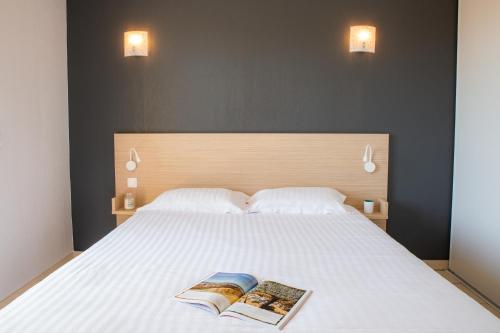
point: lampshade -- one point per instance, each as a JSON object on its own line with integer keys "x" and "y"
{"x": 136, "y": 44}
{"x": 362, "y": 39}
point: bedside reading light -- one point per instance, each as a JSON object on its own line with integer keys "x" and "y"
{"x": 367, "y": 160}
{"x": 136, "y": 44}
{"x": 131, "y": 165}
{"x": 362, "y": 39}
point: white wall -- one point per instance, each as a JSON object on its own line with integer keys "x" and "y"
{"x": 475, "y": 237}
{"x": 35, "y": 218}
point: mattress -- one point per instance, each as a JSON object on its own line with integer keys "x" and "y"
{"x": 362, "y": 280}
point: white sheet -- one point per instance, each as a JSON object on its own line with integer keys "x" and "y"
{"x": 362, "y": 280}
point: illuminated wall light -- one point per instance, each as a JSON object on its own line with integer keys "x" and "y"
{"x": 136, "y": 44}
{"x": 363, "y": 39}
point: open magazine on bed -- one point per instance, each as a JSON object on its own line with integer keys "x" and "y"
{"x": 241, "y": 296}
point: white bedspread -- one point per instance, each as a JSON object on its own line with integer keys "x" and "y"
{"x": 362, "y": 280}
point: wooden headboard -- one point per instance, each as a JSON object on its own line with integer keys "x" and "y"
{"x": 249, "y": 162}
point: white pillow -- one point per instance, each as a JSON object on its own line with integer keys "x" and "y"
{"x": 297, "y": 200}
{"x": 205, "y": 200}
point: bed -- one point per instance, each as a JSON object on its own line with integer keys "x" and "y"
{"x": 362, "y": 280}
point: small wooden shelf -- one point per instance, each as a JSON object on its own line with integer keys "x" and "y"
{"x": 121, "y": 213}
{"x": 124, "y": 212}
{"x": 381, "y": 213}
{"x": 120, "y": 210}
{"x": 376, "y": 216}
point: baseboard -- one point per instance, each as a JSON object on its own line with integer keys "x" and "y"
{"x": 480, "y": 294}
{"x": 438, "y": 265}
{"x": 37, "y": 279}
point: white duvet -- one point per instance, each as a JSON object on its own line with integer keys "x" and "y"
{"x": 362, "y": 280}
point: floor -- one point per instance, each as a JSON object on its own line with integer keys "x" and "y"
{"x": 445, "y": 273}
{"x": 20, "y": 291}
{"x": 469, "y": 291}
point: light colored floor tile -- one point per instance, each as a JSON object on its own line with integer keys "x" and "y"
{"x": 471, "y": 293}
{"x": 492, "y": 309}
{"x": 449, "y": 276}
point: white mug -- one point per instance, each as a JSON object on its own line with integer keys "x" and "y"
{"x": 368, "y": 206}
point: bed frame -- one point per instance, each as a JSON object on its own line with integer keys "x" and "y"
{"x": 249, "y": 162}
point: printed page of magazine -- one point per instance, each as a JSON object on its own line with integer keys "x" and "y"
{"x": 218, "y": 291}
{"x": 270, "y": 303}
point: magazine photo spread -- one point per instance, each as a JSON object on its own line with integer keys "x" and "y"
{"x": 239, "y": 295}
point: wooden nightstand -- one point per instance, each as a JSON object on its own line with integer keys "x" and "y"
{"x": 121, "y": 213}
{"x": 380, "y": 215}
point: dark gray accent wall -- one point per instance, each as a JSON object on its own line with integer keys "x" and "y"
{"x": 268, "y": 66}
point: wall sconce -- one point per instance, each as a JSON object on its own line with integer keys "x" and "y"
{"x": 368, "y": 164}
{"x": 136, "y": 44}
{"x": 363, "y": 39}
{"x": 132, "y": 163}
